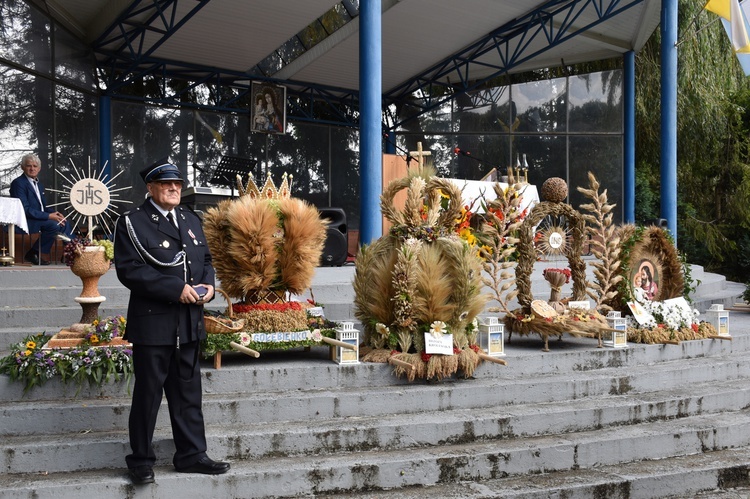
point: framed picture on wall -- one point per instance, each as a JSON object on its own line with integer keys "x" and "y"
{"x": 269, "y": 108}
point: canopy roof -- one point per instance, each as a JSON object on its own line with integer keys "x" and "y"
{"x": 460, "y": 43}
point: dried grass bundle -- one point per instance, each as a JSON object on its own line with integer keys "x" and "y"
{"x": 434, "y": 287}
{"x": 503, "y": 219}
{"x": 519, "y": 322}
{"x": 441, "y": 366}
{"x": 373, "y": 283}
{"x": 468, "y": 360}
{"x": 380, "y": 355}
{"x": 412, "y": 359}
{"x": 304, "y": 238}
{"x": 219, "y": 239}
{"x": 663, "y": 335}
{"x": 274, "y": 320}
{"x": 605, "y": 245}
{"x": 254, "y": 230}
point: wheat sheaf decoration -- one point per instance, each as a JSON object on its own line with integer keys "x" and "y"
{"x": 264, "y": 241}
{"x": 420, "y": 277}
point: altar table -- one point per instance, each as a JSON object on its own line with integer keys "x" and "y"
{"x": 11, "y": 214}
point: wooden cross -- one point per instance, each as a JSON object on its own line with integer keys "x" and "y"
{"x": 419, "y": 154}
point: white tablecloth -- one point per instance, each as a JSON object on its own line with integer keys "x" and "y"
{"x": 11, "y": 212}
{"x": 473, "y": 190}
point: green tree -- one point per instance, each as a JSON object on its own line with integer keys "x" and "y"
{"x": 712, "y": 139}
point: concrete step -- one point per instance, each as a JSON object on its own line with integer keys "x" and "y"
{"x": 720, "y": 474}
{"x": 278, "y": 371}
{"x": 368, "y": 470}
{"x": 313, "y": 426}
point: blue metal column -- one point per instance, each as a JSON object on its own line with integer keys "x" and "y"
{"x": 669, "y": 114}
{"x": 629, "y": 137}
{"x": 370, "y": 135}
{"x": 105, "y": 136}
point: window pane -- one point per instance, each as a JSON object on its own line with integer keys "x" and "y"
{"x": 25, "y": 122}
{"x": 25, "y": 36}
{"x": 77, "y": 126}
{"x": 540, "y": 105}
{"x": 478, "y": 154}
{"x": 485, "y": 111}
{"x": 74, "y": 61}
{"x": 545, "y": 155}
{"x": 140, "y": 136}
{"x": 345, "y": 191}
{"x": 596, "y": 102}
{"x": 601, "y": 156}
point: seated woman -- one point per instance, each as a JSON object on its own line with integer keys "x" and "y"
{"x": 50, "y": 223}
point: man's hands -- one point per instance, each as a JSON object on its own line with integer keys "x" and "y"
{"x": 190, "y": 295}
{"x": 57, "y": 217}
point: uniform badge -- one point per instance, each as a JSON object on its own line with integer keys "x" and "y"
{"x": 155, "y": 218}
{"x": 195, "y": 241}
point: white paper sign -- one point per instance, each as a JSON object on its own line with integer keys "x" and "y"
{"x": 442, "y": 345}
{"x": 640, "y": 314}
{"x": 681, "y": 303}
{"x": 581, "y": 305}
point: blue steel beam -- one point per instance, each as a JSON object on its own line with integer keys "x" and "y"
{"x": 128, "y": 32}
{"x": 554, "y": 23}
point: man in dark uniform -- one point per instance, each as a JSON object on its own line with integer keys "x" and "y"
{"x": 162, "y": 257}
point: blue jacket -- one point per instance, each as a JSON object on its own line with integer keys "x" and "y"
{"x": 22, "y": 189}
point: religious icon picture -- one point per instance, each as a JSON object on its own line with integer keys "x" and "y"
{"x": 644, "y": 280}
{"x": 268, "y": 113}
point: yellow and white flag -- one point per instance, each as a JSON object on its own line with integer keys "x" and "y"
{"x": 719, "y": 7}
{"x": 731, "y": 11}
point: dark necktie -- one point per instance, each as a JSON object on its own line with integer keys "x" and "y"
{"x": 170, "y": 217}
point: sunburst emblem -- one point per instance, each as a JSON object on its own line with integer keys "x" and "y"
{"x": 90, "y": 197}
{"x": 553, "y": 240}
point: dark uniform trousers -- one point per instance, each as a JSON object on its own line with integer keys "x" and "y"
{"x": 177, "y": 373}
{"x": 165, "y": 334}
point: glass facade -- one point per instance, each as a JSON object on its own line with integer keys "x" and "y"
{"x": 565, "y": 127}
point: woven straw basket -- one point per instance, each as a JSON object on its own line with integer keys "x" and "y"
{"x": 214, "y": 325}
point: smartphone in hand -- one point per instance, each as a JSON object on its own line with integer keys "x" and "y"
{"x": 201, "y": 290}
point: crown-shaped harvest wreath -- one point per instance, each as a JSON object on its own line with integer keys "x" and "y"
{"x": 269, "y": 190}
{"x": 264, "y": 241}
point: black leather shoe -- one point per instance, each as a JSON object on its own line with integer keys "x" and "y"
{"x": 141, "y": 474}
{"x": 207, "y": 466}
{"x": 32, "y": 256}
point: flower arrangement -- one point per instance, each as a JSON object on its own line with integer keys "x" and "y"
{"x": 105, "y": 330}
{"x": 75, "y": 248}
{"x": 30, "y": 364}
{"x": 671, "y": 323}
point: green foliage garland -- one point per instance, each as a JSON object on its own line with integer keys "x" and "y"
{"x": 28, "y": 363}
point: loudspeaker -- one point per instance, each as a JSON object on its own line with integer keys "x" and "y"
{"x": 336, "y": 246}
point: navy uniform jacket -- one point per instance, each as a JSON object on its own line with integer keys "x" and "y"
{"x": 22, "y": 189}
{"x": 155, "y": 315}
